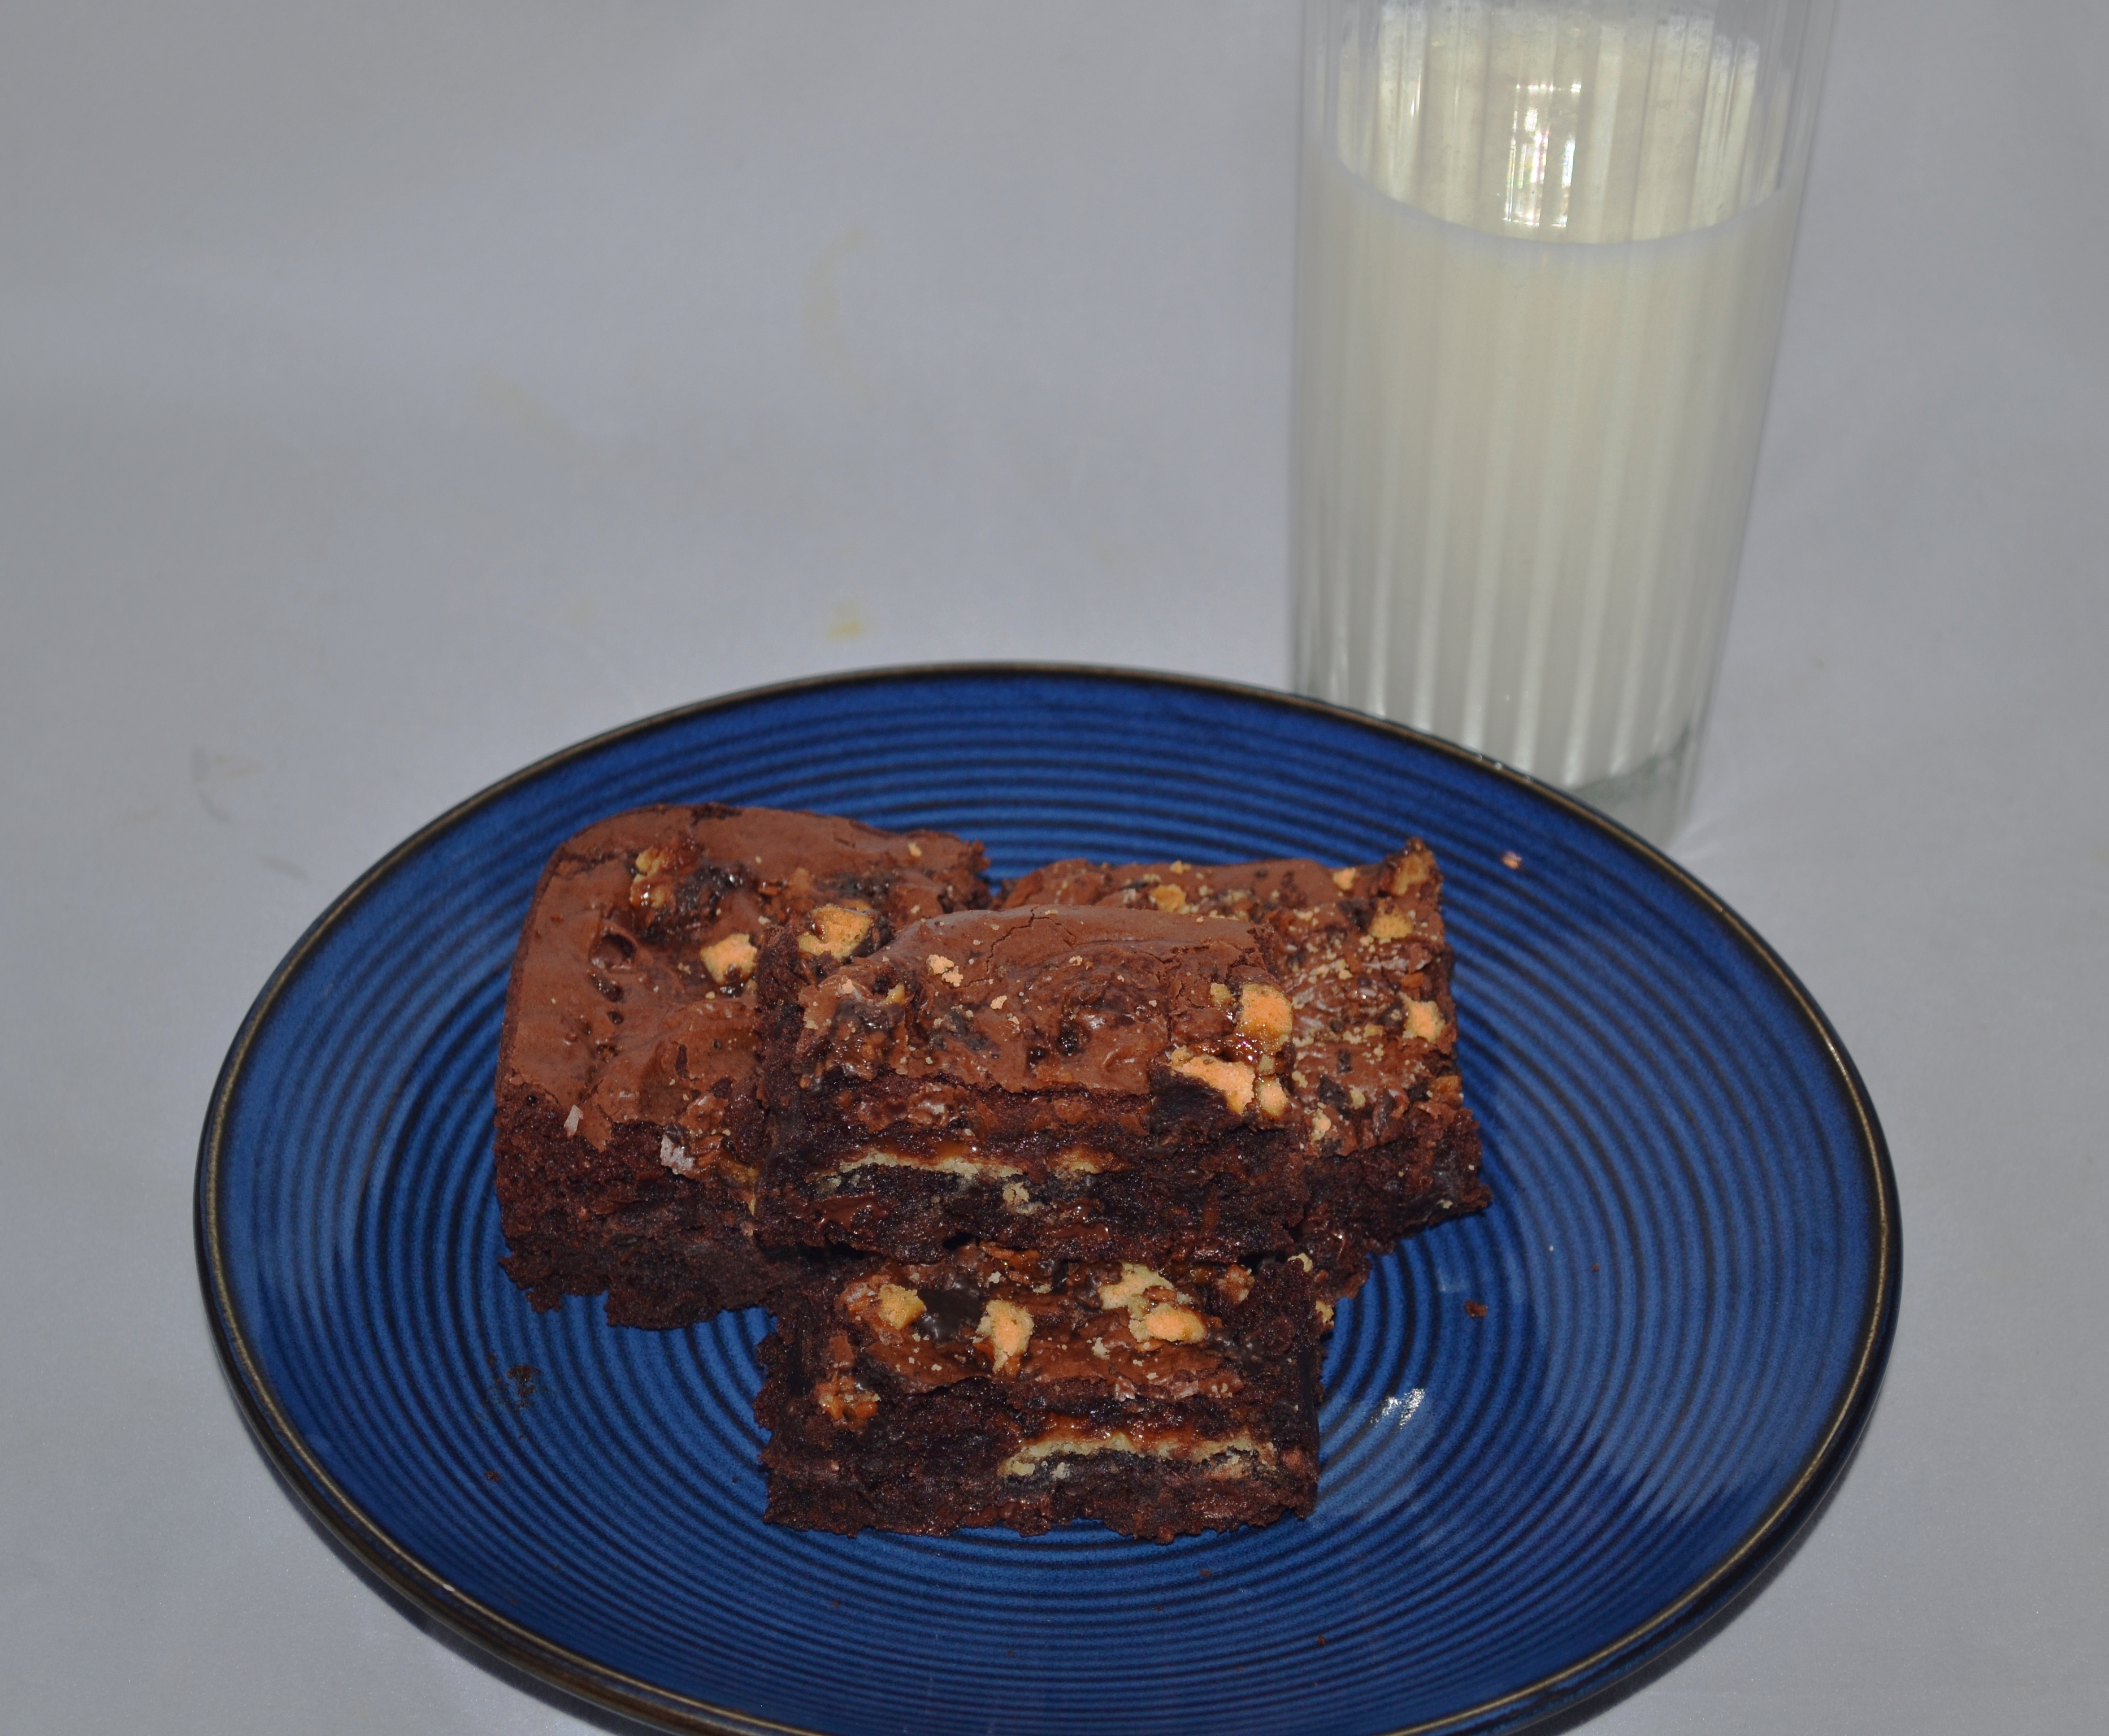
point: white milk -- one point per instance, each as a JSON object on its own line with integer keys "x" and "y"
{"x": 1537, "y": 317}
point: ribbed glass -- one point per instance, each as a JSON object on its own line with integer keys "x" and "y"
{"x": 1543, "y": 252}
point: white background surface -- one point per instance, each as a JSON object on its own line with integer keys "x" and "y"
{"x": 390, "y": 395}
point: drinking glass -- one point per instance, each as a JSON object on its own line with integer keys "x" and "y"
{"x": 1542, "y": 250}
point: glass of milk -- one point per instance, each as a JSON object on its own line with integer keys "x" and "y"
{"x": 1543, "y": 247}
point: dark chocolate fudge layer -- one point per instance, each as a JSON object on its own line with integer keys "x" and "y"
{"x": 1002, "y": 1386}
{"x": 1103, "y": 1083}
{"x": 629, "y": 1118}
{"x": 1367, "y": 966}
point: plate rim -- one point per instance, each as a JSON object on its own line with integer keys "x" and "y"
{"x": 1589, "y": 1684}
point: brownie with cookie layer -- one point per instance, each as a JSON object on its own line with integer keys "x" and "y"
{"x": 1366, "y": 963}
{"x": 630, "y": 1128}
{"x": 1100, "y": 1083}
{"x": 1007, "y": 1386}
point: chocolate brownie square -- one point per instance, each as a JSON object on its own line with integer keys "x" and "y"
{"x": 1100, "y": 1083}
{"x": 1004, "y": 1387}
{"x": 630, "y": 1128}
{"x": 1367, "y": 964}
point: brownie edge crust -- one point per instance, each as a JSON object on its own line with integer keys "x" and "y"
{"x": 630, "y": 1111}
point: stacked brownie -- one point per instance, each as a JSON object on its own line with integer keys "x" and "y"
{"x": 1367, "y": 968}
{"x": 1052, "y": 1201}
{"x": 1011, "y": 1386}
{"x": 630, "y": 1128}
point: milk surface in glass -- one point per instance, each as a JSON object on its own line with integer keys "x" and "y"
{"x": 1544, "y": 250}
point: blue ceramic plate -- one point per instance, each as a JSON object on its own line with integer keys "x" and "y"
{"x": 1560, "y": 1438}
